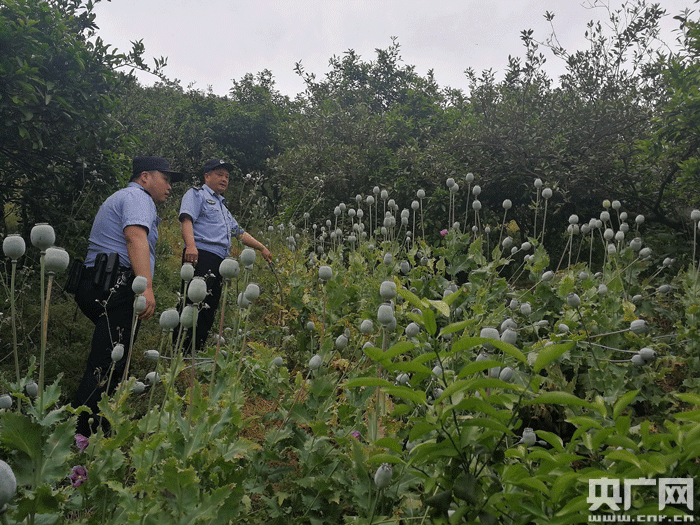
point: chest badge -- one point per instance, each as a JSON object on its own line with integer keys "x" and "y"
{"x": 211, "y": 201}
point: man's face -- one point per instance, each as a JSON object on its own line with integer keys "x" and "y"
{"x": 157, "y": 184}
{"x": 217, "y": 180}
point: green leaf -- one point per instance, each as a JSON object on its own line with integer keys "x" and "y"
{"x": 440, "y": 306}
{"x": 429, "y": 321}
{"x": 623, "y": 402}
{"x": 384, "y": 458}
{"x": 455, "y": 327}
{"x": 390, "y": 443}
{"x": 411, "y": 298}
{"x": 415, "y": 396}
{"x": 550, "y": 353}
{"x": 558, "y": 398}
{"x": 398, "y": 349}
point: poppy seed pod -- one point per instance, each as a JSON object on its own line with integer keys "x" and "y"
{"x": 278, "y": 361}
{"x": 325, "y": 273}
{"x": 647, "y": 353}
{"x": 5, "y": 401}
{"x": 638, "y": 326}
{"x": 139, "y": 284}
{"x": 315, "y": 362}
{"x": 385, "y": 314}
{"x": 637, "y": 360}
{"x": 506, "y": 374}
{"x": 13, "y": 246}
{"x": 187, "y": 316}
{"x": 476, "y": 205}
{"x": 573, "y": 300}
{"x": 151, "y": 355}
{"x": 229, "y": 268}
{"x": 140, "y": 304}
{"x": 42, "y": 236}
{"x": 169, "y": 319}
{"x": 412, "y": 330}
{"x": 31, "y": 388}
{"x": 525, "y": 309}
{"x": 507, "y": 204}
{"x": 382, "y": 478}
{"x": 341, "y": 342}
{"x": 242, "y": 301}
{"x": 252, "y": 292}
{"x": 509, "y": 336}
{"x": 152, "y": 378}
{"x": 138, "y": 388}
{"x": 450, "y": 182}
{"x": 247, "y": 256}
{"x": 367, "y": 326}
{"x": 387, "y": 290}
{"x": 548, "y": 275}
{"x": 186, "y": 272}
{"x": 529, "y": 437}
{"x": 476, "y": 190}
{"x": 695, "y": 215}
{"x": 117, "y": 352}
{"x": 56, "y": 260}
{"x": 388, "y": 259}
{"x": 8, "y": 484}
{"x": 547, "y": 193}
{"x": 197, "y": 289}
{"x": 470, "y": 177}
{"x": 489, "y": 332}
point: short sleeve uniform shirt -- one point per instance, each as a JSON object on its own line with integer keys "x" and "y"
{"x": 130, "y": 206}
{"x": 212, "y": 222}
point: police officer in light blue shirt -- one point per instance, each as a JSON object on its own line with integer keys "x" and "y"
{"x": 207, "y": 228}
{"x": 121, "y": 246}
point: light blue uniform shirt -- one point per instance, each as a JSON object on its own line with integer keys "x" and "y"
{"x": 212, "y": 223}
{"x": 130, "y": 206}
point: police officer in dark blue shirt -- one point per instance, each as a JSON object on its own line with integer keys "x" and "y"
{"x": 207, "y": 228}
{"x": 121, "y": 246}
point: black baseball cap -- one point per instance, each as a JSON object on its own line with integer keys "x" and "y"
{"x": 150, "y": 163}
{"x": 215, "y": 164}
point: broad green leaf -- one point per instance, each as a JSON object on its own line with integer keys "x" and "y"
{"x": 411, "y": 297}
{"x": 477, "y": 366}
{"x": 398, "y": 349}
{"x": 390, "y": 443}
{"x": 384, "y": 458}
{"x": 415, "y": 396}
{"x": 622, "y": 403}
{"x": 549, "y": 353}
{"x": 429, "y": 321}
{"x": 558, "y": 398}
{"x": 440, "y": 306}
{"x": 408, "y": 366}
{"x": 455, "y": 327}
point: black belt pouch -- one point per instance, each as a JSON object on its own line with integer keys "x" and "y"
{"x": 75, "y": 273}
{"x": 106, "y": 271}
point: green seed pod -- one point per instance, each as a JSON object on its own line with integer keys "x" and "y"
{"x": 13, "y": 246}
{"x": 42, "y": 236}
{"x": 252, "y": 292}
{"x": 117, "y": 352}
{"x": 152, "y": 378}
{"x": 385, "y": 314}
{"x": 8, "y": 484}
{"x": 197, "y": 290}
{"x": 32, "y": 389}
{"x": 325, "y": 273}
{"x": 315, "y": 362}
{"x": 5, "y": 401}
{"x": 382, "y": 478}
{"x": 151, "y": 355}
{"x": 341, "y": 342}
{"x": 138, "y": 388}
{"x": 186, "y": 272}
{"x": 139, "y": 284}
{"x": 140, "y": 304}
{"x": 169, "y": 319}
{"x": 56, "y": 260}
{"x": 412, "y": 330}
{"x": 278, "y": 361}
{"x": 247, "y": 256}
{"x": 367, "y": 326}
{"x": 387, "y": 290}
{"x": 229, "y": 268}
